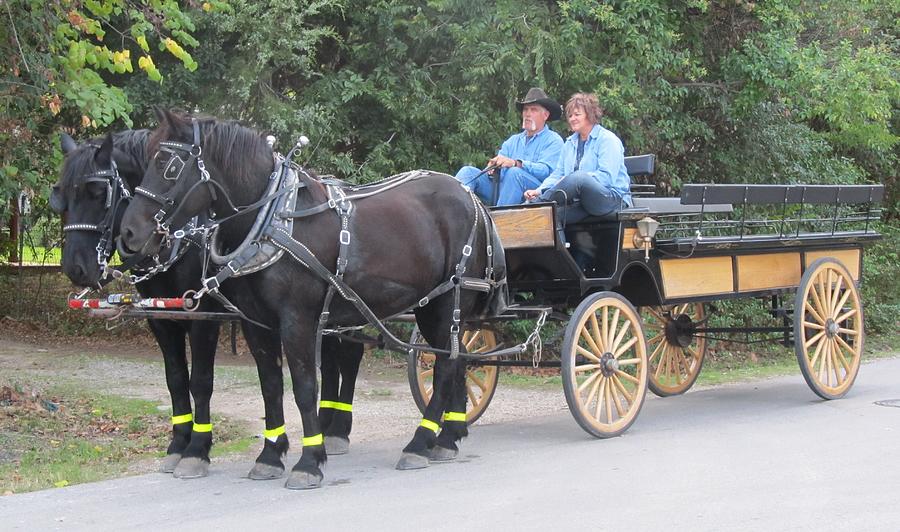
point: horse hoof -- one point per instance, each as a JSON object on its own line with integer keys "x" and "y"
{"x": 265, "y": 472}
{"x": 335, "y": 445}
{"x": 170, "y": 462}
{"x": 301, "y": 480}
{"x": 191, "y": 467}
{"x": 442, "y": 454}
{"x": 412, "y": 461}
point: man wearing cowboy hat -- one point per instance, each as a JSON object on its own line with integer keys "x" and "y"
{"x": 526, "y": 158}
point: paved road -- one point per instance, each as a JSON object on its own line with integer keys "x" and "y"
{"x": 756, "y": 456}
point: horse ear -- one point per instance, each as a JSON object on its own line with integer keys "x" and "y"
{"x": 56, "y": 200}
{"x": 103, "y": 157}
{"x": 67, "y": 143}
{"x": 160, "y": 114}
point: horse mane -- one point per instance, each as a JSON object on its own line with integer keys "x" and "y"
{"x": 80, "y": 162}
{"x": 241, "y": 150}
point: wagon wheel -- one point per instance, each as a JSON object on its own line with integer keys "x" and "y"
{"x": 481, "y": 381}
{"x": 676, "y": 354}
{"x": 604, "y": 364}
{"x": 828, "y": 328}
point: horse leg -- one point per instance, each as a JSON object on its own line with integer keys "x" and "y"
{"x": 454, "y": 427}
{"x": 299, "y": 347}
{"x": 204, "y": 337}
{"x": 266, "y": 349}
{"x": 170, "y": 337}
{"x": 339, "y": 410}
{"x": 434, "y": 326}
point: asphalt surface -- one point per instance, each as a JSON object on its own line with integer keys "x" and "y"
{"x": 766, "y": 455}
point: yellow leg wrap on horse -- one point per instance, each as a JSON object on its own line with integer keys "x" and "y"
{"x": 202, "y": 427}
{"x": 313, "y": 440}
{"x": 186, "y": 418}
{"x": 430, "y": 425}
{"x": 336, "y": 405}
{"x": 274, "y": 433}
{"x": 454, "y": 416}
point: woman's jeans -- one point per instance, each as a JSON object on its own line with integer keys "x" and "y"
{"x": 594, "y": 198}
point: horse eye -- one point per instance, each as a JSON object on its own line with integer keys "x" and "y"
{"x": 95, "y": 190}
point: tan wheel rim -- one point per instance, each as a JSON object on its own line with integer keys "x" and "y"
{"x": 610, "y": 369}
{"x": 673, "y": 367}
{"x": 831, "y": 329}
{"x": 480, "y": 380}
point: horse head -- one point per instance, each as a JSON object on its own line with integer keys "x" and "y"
{"x": 90, "y": 194}
{"x": 197, "y": 165}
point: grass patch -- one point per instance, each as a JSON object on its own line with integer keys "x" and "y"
{"x": 63, "y": 435}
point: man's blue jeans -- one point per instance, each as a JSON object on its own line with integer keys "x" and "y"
{"x": 594, "y": 198}
{"x": 513, "y": 184}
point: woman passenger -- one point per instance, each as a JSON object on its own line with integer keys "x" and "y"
{"x": 590, "y": 178}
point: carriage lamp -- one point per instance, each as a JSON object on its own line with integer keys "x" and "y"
{"x": 646, "y": 230}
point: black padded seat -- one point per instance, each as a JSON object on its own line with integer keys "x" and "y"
{"x": 659, "y": 206}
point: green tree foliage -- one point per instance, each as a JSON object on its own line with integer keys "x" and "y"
{"x": 65, "y": 62}
{"x": 728, "y": 90}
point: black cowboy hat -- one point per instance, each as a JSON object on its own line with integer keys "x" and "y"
{"x": 536, "y": 95}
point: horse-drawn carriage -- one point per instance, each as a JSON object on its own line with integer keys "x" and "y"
{"x": 644, "y": 277}
{"x": 666, "y": 256}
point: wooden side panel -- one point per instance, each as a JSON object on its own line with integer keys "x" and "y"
{"x": 696, "y": 277}
{"x": 770, "y": 270}
{"x": 628, "y": 237}
{"x": 525, "y": 228}
{"x": 849, "y": 258}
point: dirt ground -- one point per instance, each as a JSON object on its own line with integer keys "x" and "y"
{"x": 383, "y": 407}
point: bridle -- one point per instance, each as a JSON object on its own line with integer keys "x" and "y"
{"x": 117, "y": 196}
{"x": 168, "y": 207}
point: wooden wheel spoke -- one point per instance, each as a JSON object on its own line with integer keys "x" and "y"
{"x": 656, "y": 314}
{"x": 586, "y": 336}
{"x": 835, "y": 365}
{"x": 840, "y": 354}
{"x": 613, "y": 328}
{"x": 812, "y": 325}
{"x": 427, "y": 373}
{"x": 586, "y": 367}
{"x": 601, "y": 393}
{"x": 840, "y": 304}
{"x": 429, "y": 390}
{"x": 850, "y": 350}
{"x": 851, "y": 332}
{"x": 625, "y": 347}
{"x": 620, "y": 409}
{"x": 426, "y": 358}
{"x": 608, "y": 400}
{"x": 587, "y": 354}
{"x": 835, "y": 296}
{"x": 654, "y": 339}
{"x": 815, "y": 291}
{"x": 694, "y": 354}
{"x": 478, "y": 382}
{"x": 656, "y": 351}
{"x": 615, "y": 343}
{"x": 472, "y": 340}
{"x": 818, "y": 351}
{"x": 598, "y": 330}
{"x": 663, "y": 361}
{"x": 628, "y": 377}
{"x": 813, "y": 339}
{"x": 621, "y": 387}
{"x": 471, "y": 395}
{"x": 814, "y": 312}
{"x": 592, "y": 379}
{"x": 628, "y": 361}
{"x": 843, "y": 317}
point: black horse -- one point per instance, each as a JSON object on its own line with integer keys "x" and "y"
{"x": 92, "y": 195}
{"x": 397, "y": 246}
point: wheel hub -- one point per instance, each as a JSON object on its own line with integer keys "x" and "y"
{"x": 831, "y": 328}
{"x": 608, "y": 364}
{"x": 680, "y": 330}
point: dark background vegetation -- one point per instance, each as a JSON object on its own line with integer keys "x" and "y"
{"x": 736, "y": 91}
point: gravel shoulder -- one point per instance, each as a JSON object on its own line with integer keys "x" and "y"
{"x": 383, "y": 407}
